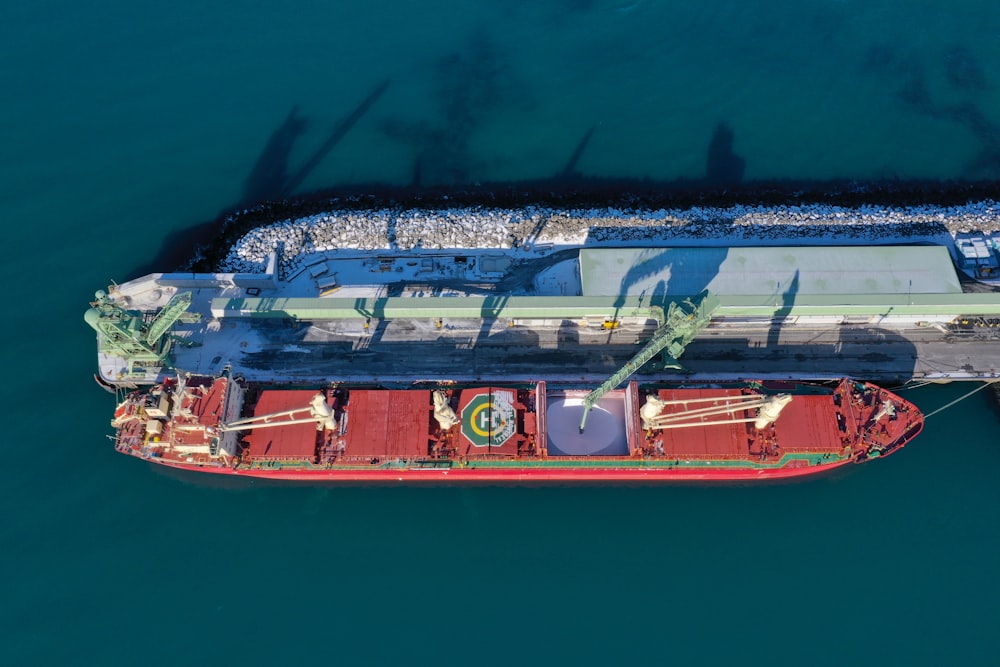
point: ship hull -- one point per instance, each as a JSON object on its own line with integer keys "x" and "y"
{"x": 517, "y": 476}
{"x": 499, "y": 435}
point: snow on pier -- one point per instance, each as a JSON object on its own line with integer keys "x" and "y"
{"x": 530, "y": 227}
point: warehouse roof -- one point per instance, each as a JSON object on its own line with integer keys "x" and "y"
{"x": 741, "y": 271}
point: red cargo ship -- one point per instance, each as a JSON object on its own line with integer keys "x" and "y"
{"x": 759, "y": 430}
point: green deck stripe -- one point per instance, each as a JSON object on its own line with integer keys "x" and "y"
{"x": 812, "y": 459}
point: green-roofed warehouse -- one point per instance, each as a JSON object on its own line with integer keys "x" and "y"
{"x": 799, "y": 271}
{"x": 904, "y": 283}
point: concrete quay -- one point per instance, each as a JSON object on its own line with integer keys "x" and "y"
{"x": 404, "y": 351}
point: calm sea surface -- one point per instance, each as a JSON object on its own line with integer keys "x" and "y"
{"x": 126, "y": 123}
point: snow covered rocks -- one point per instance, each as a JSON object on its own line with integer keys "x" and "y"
{"x": 392, "y": 229}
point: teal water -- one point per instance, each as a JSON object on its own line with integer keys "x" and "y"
{"x": 125, "y": 124}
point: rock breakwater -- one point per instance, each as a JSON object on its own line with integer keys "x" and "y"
{"x": 529, "y": 227}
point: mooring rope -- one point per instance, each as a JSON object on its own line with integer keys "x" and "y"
{"x": 960, "y": 399}
{"x": 907, "y": 387}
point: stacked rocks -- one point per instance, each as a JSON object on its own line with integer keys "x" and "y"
{"x": 501, "y": 228}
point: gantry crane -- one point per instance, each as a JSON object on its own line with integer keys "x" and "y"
{"x": 129, "y": 334}
{"x": 680, "y": 325}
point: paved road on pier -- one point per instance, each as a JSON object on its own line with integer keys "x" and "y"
{"x": 473, "y": 350}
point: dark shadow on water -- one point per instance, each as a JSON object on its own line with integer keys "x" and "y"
{"x": 339, "y": 132}
{"x": 911, "y": 76}
{"x": 569, "y": 171}
{"x": 469, "y": 87}
{"x": 915, "y": 93}
{"x": 472, "y": 85}
{"x": 723, "y": 166}
{"x": 269, "y": 177}
{"x": 986, "y": 163}
{"x": 182, "y": 249}
{"x": 987, "y": 132}
{"x": 963, "y": 70}
{"x": 889, "y": 62}
{"x": 268, "y": 181}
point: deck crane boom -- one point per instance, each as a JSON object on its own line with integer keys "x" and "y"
{"x": 318, "y": 412}
{"x": 716, "y": 411}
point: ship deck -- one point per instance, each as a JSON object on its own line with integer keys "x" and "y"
{"x": 390, "y": 423}
{"x": 287, "y": 442}
{"x": 373, "y": 434}
{"x": 705, "y": 442}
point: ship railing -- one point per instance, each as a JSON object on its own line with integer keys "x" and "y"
{"x": 497, "y": 456}
{"x": 286, "y": 459}
{"x": 279, "y": 460}
{"x": 375, "y": 461}
{"x": 127, "y": 441}
{"x": 269, "y": 464}
{"x": 431, "y": 464}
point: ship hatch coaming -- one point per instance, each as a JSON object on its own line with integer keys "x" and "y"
{"x": 807, "y": 424}
{"x": 290, "y": 441}
{"x": 391, "y": 423}
{"x": 608, "y": 424}
{"x": 358, "y": 426}
{"x": 377, "y": 426}
{"x": 713, "y": 441}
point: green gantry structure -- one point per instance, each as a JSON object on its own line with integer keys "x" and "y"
{"x": 139, "y": 339}
{"x": 680, "y": 326}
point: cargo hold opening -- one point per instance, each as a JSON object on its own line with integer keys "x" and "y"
{"x": 608, "y": 432}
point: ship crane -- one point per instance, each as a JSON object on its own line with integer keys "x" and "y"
{"x": 679, "y": 327}
{"x": 768, "y": 407}
{"x": 319, "y": 412}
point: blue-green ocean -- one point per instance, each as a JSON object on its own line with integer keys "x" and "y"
{"x": 126, "y": 123}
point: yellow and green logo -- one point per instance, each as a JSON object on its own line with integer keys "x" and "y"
{"x": 490, "y": 419}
